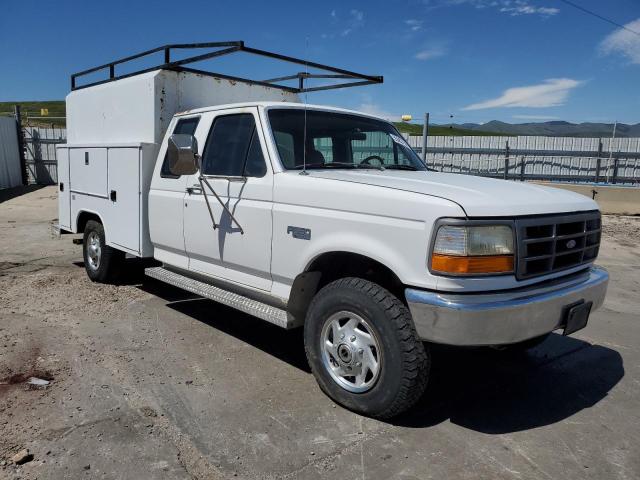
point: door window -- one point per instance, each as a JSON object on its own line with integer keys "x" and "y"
{"x": 184, "y": 126}
{"x": 233, "y": 148}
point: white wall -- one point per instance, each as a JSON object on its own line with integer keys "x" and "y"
{"x": 10, "y": 175}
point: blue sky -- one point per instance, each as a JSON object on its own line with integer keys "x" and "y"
{"x": 478, "y": 60}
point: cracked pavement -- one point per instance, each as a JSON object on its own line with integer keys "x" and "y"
{"x": 150, "y": 382}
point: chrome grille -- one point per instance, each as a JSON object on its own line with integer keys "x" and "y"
{"x": 554, "y": 243}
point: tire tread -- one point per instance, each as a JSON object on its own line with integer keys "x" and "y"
{"x": 416, "y": 363}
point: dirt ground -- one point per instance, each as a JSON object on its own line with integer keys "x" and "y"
{"x": 149, "y": 382}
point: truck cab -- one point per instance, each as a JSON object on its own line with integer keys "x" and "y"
{"x": 322, "y": 218}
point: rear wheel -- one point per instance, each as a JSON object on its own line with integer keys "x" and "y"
{"x": 363, "y": 349}
{"x": 102, "y": 262}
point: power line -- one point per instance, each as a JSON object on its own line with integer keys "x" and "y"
{"x": 594, "y": 14}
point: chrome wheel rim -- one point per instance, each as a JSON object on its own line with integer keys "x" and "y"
{"x": 351, "y": 351}
{"x": 93, "y": 250}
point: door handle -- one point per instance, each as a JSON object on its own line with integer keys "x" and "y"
{"x": 195, "y": 190}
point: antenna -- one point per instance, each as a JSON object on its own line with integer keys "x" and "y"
{"x": 304, "y": 134}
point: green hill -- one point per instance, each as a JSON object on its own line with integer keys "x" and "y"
{"x": 57, "y": 109}
{"x": 32, "y": 109}
{"x": 438, "y": 130}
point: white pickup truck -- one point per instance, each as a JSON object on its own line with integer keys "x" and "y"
{"x": 322, "y": 218}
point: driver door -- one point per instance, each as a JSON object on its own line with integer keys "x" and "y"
{"x": 234, "y": 164}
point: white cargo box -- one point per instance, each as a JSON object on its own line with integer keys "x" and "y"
{"x": 139, "y": 108}
{"x": 111, "y": 181}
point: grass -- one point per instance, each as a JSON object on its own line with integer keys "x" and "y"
{"x": 32, "y": 109}
{"x": 438, "y": 130}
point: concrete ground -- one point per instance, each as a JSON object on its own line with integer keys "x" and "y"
{"x": 149, "y": 382}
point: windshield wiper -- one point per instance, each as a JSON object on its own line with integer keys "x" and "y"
{"x": 394, "y": 166}
{"x": 336, "y": 165}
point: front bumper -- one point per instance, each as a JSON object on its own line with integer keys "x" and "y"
{"x": 505, "y": 317}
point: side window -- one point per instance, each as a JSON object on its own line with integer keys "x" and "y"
{"x": 255, "y": 165}
{"x": 185, "y": 126}
{"x": 230, "y": 149}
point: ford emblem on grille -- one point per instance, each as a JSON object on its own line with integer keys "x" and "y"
{"x": 571, "y": 243}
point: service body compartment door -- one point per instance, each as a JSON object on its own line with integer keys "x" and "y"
{"x": 88, "y": 171}
{"x": 124, "y": 195}
{"x": 64, "y": 196}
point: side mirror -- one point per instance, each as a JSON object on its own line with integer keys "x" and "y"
{"x": 182, "y": 153}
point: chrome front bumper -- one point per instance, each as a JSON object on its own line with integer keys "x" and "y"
{"x": 503, "y": 317}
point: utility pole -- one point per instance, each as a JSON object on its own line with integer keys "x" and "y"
{"x": 425, "y": 135}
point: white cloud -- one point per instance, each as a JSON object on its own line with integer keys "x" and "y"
{"x": 510, "y": 7}
{"x": 535, "y": 117}
{"x": 343, "y": 25}
{"x": 623, "y": 42}
{"x": 551, "y": 93}
{"x": 414, "y": 24}
{"x": 373, "y": 109}
{"x": 430, "y": 53}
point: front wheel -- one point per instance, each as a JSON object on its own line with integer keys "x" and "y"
{"x": 363, "y": 349}
{"x": 102, "y": 262}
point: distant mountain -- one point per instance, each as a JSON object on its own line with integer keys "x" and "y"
{"x": 556, "y": 129}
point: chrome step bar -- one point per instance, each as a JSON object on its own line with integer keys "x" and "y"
{"x": 271, "y": 314}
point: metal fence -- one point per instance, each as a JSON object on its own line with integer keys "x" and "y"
{"x": 10, "y": 167}
{"x": 40, "y": 152}
{"x": 561, "y": 159}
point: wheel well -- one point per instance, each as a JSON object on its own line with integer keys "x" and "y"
{"x": 335, "y": 265}
{"x": 84, "y": 217}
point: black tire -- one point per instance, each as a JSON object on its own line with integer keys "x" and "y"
{"x": 404, "y": 367}
{"x": 524, "y": 346}
{"x": 104, "y": 266}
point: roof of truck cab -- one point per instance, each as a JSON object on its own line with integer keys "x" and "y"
{"x": 275, "y": 104}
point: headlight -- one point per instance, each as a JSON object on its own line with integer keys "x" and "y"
{"x": 473, "y": 249}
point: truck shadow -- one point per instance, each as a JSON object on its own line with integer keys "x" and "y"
{"x": 480, "y": 389}
{"x": 13, "y": 192}
{"x": 286, "y": 345}
{"x": 497, "y": 392}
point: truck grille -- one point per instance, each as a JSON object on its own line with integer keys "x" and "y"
{"x": 554, "y": 243}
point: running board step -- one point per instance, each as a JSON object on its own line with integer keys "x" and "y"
{"x": 258, "y": 309}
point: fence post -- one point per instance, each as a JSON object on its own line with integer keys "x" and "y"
{"x": 23, "y": 162}
{"x": 522, "y": 165}
{"x": 425, "y": 136}
{"x": 506, "y": 160}
{"x": 599, "y": 161}
{"x": 615, "y": 170}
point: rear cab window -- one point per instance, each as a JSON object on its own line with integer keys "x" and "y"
{"x": 184, "y": 126}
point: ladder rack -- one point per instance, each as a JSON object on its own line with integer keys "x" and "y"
{"x": 352, "y": 79}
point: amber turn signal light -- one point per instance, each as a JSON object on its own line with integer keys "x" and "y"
{"x": 461, "y": 265}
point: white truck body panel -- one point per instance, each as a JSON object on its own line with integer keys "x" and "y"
{"x": 111, "y": 181}
{"x": 478, "y": 196}
{"x": 140, "y": 108}
{"x": 64, "y": 196}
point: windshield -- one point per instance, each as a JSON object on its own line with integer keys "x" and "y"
{"x": 339, "y": 140}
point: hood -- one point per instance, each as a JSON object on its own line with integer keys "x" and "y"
{"x": 478, "y": 196}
